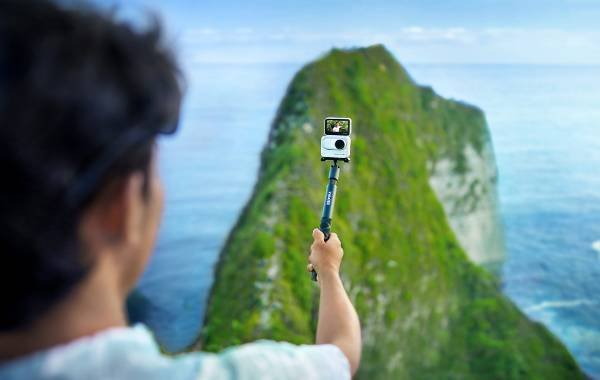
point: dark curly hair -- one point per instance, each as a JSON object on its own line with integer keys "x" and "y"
{"x": 82, "y": 99}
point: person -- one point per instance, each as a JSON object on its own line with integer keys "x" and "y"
{"x": 336, "y": 128}
{"x": 83, "y": 99}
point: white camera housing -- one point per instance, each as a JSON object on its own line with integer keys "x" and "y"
{"x": 335, "y": 145}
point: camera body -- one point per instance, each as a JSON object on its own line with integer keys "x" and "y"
{"x": 335, "y": 144}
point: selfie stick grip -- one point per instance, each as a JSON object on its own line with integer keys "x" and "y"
{"x": 328, "y": 203}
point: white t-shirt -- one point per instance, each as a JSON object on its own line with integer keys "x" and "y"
{"x": 132, "y": 353}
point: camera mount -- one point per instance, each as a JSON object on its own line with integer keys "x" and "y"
{"x": 335, "y": 160}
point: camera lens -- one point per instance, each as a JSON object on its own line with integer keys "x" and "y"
{"x": 340, "y": 144}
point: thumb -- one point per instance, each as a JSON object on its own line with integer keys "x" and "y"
{"x": 318, "y": 236}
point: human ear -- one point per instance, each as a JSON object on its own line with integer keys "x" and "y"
{"x": 132, "y": 204}
{"x": 114, "y": 218}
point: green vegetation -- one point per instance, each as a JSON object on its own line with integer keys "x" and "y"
{"x": 427, "y": 311}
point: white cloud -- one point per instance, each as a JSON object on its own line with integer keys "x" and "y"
{"x": 429, "y": 35}
{"x": 412, "y": 43}
{"x": 412, "y": 33}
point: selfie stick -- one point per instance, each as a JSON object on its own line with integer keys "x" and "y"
{"x": 325, "y": 227}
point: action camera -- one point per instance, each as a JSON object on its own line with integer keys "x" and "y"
{"x": 335, "y": 145}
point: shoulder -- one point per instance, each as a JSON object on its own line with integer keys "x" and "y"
{"x": 278, "y": 360}
{"x": 116, "y": 353}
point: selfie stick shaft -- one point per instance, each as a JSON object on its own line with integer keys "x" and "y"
{"x": 325, "y": 227}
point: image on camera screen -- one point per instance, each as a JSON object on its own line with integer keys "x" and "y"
{"x": 337, "y": 127}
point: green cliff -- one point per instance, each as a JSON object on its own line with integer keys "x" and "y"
{"x": 427, "y": 311}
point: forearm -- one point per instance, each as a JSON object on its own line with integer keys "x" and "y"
{"x": 338, "y": 322}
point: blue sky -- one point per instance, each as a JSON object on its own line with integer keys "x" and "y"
{"x": 451, "y": 31}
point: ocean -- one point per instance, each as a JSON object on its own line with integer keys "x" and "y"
{"x": 545, "y": 125}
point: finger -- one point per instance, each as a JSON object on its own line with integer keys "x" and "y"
{"x": 318, "y": 236}
{"x": 334, "y": 237}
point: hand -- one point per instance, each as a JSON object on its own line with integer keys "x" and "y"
{"x": 325, "y": 256}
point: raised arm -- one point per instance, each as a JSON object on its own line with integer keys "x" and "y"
{"x": 338, "y": 322}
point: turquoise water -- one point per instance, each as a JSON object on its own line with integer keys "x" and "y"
{"x": 545, "y": 122}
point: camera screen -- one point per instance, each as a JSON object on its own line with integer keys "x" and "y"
{"x": 337, "y": 127}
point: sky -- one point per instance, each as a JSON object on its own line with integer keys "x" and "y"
{"x": 425, "y": 31}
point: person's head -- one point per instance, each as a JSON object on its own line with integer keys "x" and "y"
{"x": 82, "y": 100}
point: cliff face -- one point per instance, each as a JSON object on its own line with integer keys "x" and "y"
{"x": 463, "y": 174}
{"x": 470, "y": 200}
{"x": 426, "y": 310}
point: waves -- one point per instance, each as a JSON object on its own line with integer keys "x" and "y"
{"x": 564, "y": 304}
{"x": 596, "y": 247}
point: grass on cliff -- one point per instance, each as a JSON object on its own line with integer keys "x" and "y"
{"x": 426, "y": 311}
